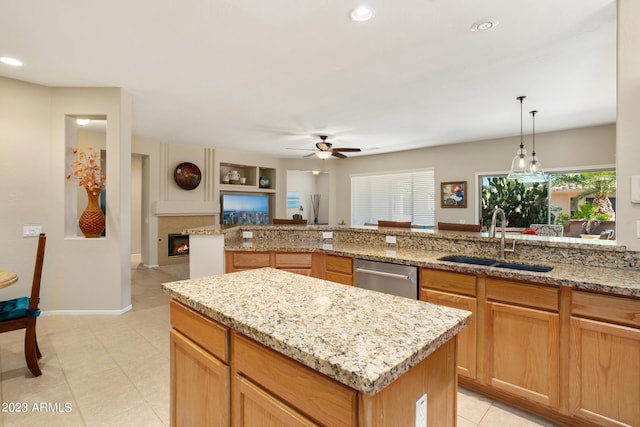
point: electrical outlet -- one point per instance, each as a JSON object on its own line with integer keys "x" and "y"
{"x": 390, "y": 253}
{"x": 391, "y": 240}
{"x": 31, "y": 230}
{"x": 247, "y": 244}
{"x": 247, "y": 234}
{"x": 327, "y": 246}
{"x": 327, "y": 234}
{"x": 421, "y": 411}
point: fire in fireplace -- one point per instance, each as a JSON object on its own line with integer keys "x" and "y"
{"x": 178, "y": 244}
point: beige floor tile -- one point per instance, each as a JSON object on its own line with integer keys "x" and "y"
{"x": 462, "y": 422}
{"x": 472, "y": 406}
{"x": 500, "y": 415}
{"x": 141, "y": 415}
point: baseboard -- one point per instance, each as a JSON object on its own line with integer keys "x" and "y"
{"x": 86, "y": 312}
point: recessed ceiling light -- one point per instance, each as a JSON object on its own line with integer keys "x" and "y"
{"x": 484, "y": 24}
{"x": 361, "y": 13}
{"x": 11, "y": 61}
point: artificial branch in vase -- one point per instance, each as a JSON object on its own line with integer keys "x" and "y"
{"x": 315, "y": 204}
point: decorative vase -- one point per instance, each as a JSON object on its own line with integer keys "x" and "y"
{"x": 92, "y": 220}
{"x": 265, "y": 182}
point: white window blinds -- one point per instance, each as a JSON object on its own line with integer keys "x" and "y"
{"x": 394, "y": 196}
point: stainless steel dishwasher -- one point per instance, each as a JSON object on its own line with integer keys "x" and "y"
{"x": 394, "y": 279}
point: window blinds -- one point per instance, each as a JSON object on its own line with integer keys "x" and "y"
{"x": 394, "y": 196}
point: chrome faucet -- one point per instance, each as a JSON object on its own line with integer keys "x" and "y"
{"x": 503, "y": 231}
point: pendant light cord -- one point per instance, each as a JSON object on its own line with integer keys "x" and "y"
{"x": 533, "y": 137}
{"x": 521, "y": 98}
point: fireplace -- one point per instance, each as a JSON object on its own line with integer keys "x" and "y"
{"x": 178, "y": 245}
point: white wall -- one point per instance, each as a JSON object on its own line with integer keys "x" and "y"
{"x": 575, "y": 148}
{"x": 79, "y": 274}
{"x": 628, "y": 125}
{"x": 136, "y": 204}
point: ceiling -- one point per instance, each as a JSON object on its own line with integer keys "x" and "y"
{"x": 266, "y": 76}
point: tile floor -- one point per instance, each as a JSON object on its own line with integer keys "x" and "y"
{"x": 114, "y": 370}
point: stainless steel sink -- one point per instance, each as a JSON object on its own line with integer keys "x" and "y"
{"x": 487, "y": 262}
{"x": 469, "y": 260}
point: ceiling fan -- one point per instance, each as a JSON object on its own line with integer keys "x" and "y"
{"x": 325, "y": 149}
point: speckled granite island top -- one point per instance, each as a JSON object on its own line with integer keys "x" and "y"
{"x": 361, "y": 338}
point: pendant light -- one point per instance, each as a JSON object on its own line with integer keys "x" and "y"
{"x": 536, "y": 174}
{"x": 520, "y": 164}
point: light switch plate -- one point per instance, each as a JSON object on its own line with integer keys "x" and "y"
{"x": 391, "y": 240}
{"x": 327, "y": 234}
{"x": 31, "y": 230}
{"x": 635, "y": 189}
{"x": 247, "y": 234}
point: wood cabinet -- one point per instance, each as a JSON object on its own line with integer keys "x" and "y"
{"x": 458, "y": 291}
{"x": 253, "y": 385}
{"x": 522, "y": 340}
{"x": 604, "y": 355}
{"x": 306, "y": 263}
{"x": 338, "y": 269}
{"x": 200, "y": 381}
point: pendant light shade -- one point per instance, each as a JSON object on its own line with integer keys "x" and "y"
{"x": 520, "y": 164}
{"x": 536, "y": 173}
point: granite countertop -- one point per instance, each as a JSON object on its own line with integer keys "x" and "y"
{"x": 616, "y": 281}
{"x": 326, "y": 326}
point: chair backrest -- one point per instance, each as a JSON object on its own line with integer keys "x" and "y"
{"x": 458, "y": 227}
{"x": 607, "y": 234}
{"x": 297, "y": 216}
{"x": 37, "y": 273}
{"x": 289, "y": 221}
{"x": 398, "y": 224}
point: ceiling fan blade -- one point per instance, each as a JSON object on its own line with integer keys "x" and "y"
{"x": 304, "y": 149}
{"x": 338, "y": 155}
{"x": 310, "y": 155}
{"x": 347, "y": 150}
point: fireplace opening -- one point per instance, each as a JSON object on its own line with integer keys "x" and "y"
{"x": 178, "y": 245}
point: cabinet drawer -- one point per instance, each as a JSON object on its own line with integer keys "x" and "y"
{"x": 293, "y": 260}
{"x": 464, "y": 284}
{"x": 251, "y": 259}
{"x": 345, "y": 279}
{"x": 314, "y": 394}
{"x": 522, "y": 293}
{"x": 339, "y": 264}
{"x": 208, "y": 333}
{"x": 624, "y": 311}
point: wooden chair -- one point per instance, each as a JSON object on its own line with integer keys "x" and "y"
{"x": 458, "y": 227}
{"x": 21, "y": 313}
{"x": 397, "y": 224}
{"x": 289, "y": 221}
{"x": 297, "y": 216}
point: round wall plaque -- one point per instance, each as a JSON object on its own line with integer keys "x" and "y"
{"x": 187, "y": 176}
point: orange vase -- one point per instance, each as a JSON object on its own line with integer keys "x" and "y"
{"x": 92, "y": 220}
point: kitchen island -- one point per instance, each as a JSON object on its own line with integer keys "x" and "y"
{"x": 269, "y": 343}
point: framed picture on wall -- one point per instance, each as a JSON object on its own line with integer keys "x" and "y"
{"x": 453, "y": 194}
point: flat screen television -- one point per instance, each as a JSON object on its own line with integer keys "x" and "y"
{"x": 244, "y": 208}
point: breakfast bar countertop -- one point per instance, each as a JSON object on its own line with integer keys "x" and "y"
{"x": 326, "y": 326}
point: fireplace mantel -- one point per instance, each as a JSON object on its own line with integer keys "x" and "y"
{"x": 185, "y": 208}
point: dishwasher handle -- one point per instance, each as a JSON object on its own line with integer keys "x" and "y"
{"x": 383, "y": 273}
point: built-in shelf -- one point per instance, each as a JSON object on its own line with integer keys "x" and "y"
{"x": 251, "y": 175}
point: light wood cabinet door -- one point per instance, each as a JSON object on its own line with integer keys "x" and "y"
{"x": 199, "y": 385}
{"x": 605, "y": 373}
{"x": 466, "y": 348}
{"x": 339, "y": 269}
{"x": 522, "y": 346}
{"x": 255, "y": 407}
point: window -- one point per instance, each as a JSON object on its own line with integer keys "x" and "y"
{"x": 394, "y": 196}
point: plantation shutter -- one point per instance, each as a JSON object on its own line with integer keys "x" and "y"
{"x": 394, "y": 196}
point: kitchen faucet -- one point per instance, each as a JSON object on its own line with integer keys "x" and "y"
{"x": 503, "y": 231}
